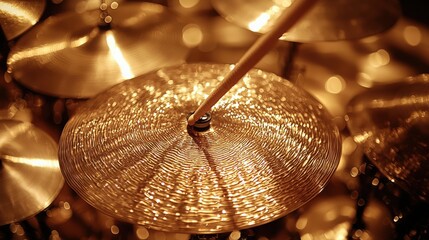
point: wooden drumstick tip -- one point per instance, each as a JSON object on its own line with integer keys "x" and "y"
{"x": 191, "y": 120}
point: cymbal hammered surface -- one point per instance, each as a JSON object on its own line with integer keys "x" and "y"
{"x": 129, "y": 152}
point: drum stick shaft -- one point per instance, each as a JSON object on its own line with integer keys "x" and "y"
{"x": 252, "y": 56}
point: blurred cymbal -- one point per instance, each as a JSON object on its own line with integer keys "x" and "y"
{"x": 327, "y": 21}
{"x": 29, "y": 170}
{"x": 391, "y": 122}
{"x": 129, "y": 153}
{"x": 70, "y": 56}
{"x": 331, "y": 217}
{"x": 16, "y": 17}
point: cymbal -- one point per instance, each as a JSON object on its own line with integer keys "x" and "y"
{"x": 129, "y": 152}
{"x": 327, "y": 21}
{"x": 29, "y": 170}
{"x": 16, "y": 17}
{"x": 391, "y": 124}
{"x": 69, "y": 55}
{"x": 331, "y": 217}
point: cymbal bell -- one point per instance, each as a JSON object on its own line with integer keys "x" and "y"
{"x": 29, "y": 170}
{"x": 71, "y": 55}
{"x": 269, "y": 149}
{"x": 16, "y": 17}
{"x": 391, "y": 124}
{"x": 327, "y": 21}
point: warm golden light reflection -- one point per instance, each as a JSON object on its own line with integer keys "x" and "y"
{"x": 34, "y": 162}
{"x": 188, "y": 3}
{"x": 235, "y": 235}
{"x": 365, "y": 80}
{"x": 259, "y": 22}
{"x": 192, "y": 35}
{"x": 379, "y": 58}
{"x": 46, "y": 49}
{"x": 117, "y": 55}
{"x": 349, "y": 146}
{"x": 21, "y": 13}
{"x": 114, "y": 5}
{"x": 412, "y": 35}
{"x": 114, "y": 229}
{"x": 301, "y": 223}
{"x": 142, "y": 233}
{"x": 335, "y": 84}
{"x": 13, "y": 132}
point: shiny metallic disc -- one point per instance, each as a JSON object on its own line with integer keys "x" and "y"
{"x": 328, "y": 20}
{"x": 69, "y": 55}
{"x": 129, "y": 152}
{"x": 30, "y": 175}
{"x": 391, "y": 123}
{"x": 16, "y": 17}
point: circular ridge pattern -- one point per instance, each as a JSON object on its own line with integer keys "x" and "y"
{"x": 129, "y": 152}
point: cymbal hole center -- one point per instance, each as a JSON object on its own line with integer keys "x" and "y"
{"x": 203, "y": 123}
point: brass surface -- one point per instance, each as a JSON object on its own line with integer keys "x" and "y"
{"x": 70, "y": 55}
{"x": 329, "y": 20}
{"x": 270, "y": 148}
{"x": 391, "y": 123}
{"x": 16, "y": 17}
{"x": 30, "y": 175}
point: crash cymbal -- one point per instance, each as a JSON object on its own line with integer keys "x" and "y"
{"x": 70, "y": 55}
{"x": 391, "y": 124}
{"x": 327, "y": 21}
{"x": 16, "y": 17}
{"x": 29, "y": 171}
{"x": 129, "y": 152}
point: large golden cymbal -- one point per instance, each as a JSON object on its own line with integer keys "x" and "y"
{"x": 69, "y": 55}
{"x": 129, "y": 152}
{"x": 329, "y": 20}
{"x": 30, "y": 175}
{"x": 391, "y": 122}
{"x": 16, "y": 17}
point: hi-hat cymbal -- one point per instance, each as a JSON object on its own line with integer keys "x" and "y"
{"x": 16, "y": 17}
{"x": 130, "y": 153}
{"x": 30, "y": 175}
{"x": 70, "y": 55}
{"x": 328, "y": 20}
{"x": 391, "y": 122}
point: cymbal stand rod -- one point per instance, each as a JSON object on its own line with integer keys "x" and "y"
{"x": 252, "y": 56}
{"x": 105, "y": 18}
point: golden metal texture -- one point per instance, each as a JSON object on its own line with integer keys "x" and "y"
{"x": 30, "y": 175}
{"x": 70, "y": 55}
{"x": 129, "y": 152}
{"x": 391, "y": 122}
{"x": 16, "y": 17}
{"x": 329, "y": 20}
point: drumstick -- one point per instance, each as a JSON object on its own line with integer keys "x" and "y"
{"x": 252, "y": 56}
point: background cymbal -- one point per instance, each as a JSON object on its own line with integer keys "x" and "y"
{"x": 16, "y": 17}
{"x": 327, "y": 21}
{"x": 129, "y": 153}
{"x": 391, "y": 123}
{"x": 29, "y": 170}
{"x": 69, "y": 55}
